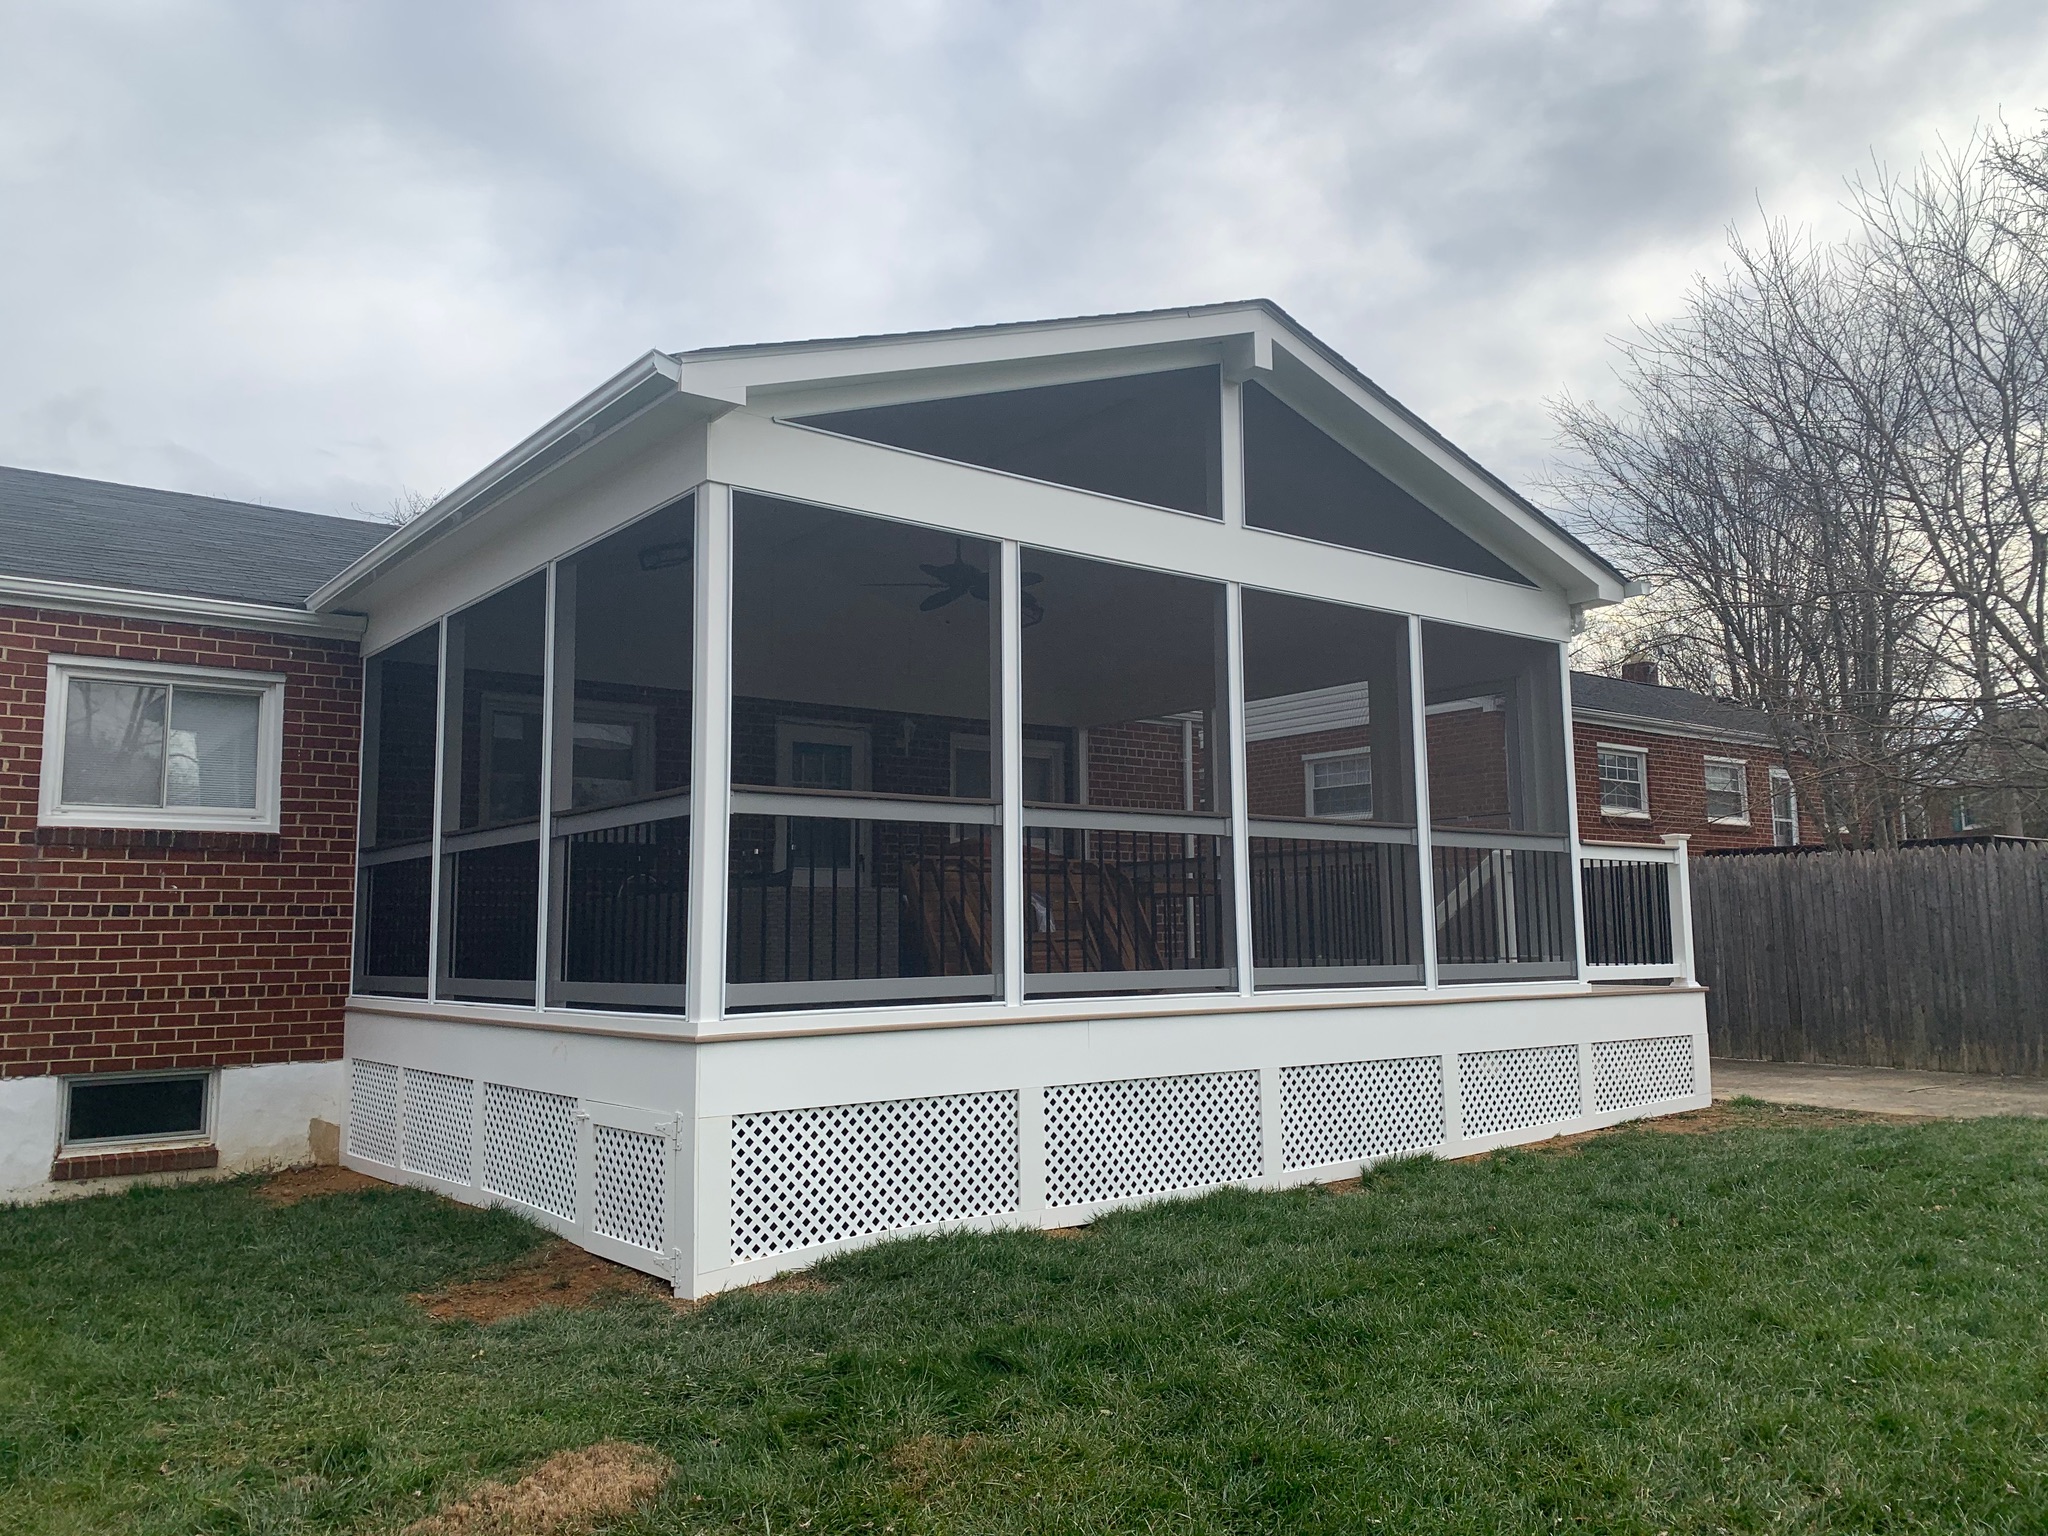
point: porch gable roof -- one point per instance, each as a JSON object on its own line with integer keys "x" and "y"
{"x": 1251, "y": 337}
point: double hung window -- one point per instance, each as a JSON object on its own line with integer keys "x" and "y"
{"x": 1727, "y": 786}
{"x": 1624, "y": 781}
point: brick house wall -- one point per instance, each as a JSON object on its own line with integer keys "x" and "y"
{"x": 131, "y": 950}
{"x": 1677, "y": 789}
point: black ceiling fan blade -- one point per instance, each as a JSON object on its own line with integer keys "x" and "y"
{"x": 1030, "y": 579}
{"x": 940, "y": 599}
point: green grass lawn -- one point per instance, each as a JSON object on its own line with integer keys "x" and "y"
{"x": 1789, "y": 1326}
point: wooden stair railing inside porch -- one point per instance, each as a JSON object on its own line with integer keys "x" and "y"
{"x": 1080, "y": 914}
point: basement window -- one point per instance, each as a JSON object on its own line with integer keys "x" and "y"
{"x": 134, "y": 1107}
{"x": 136, "y": 744}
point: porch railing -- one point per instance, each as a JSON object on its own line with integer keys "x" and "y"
{"x": 1637, "y": 901}
{"x": 1125, "y": 901}
{"x": 836, "y": 899}
{"x": 1503, "y": 906}
{"x": 1334, "y": 906}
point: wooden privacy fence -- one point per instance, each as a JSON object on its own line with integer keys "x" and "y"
{"x": 1911, "y": 957}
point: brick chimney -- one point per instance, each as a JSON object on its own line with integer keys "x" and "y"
{"x": 1639, "y": 672}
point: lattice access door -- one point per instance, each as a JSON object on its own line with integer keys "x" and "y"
{"x": 631, "y": 1173}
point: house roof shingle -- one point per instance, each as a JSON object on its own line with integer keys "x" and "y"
{"x": 1681, "y": 708}
{"x": 94, "y": 532}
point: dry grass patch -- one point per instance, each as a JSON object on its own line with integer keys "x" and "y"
{"x": 1064, "y": 1234}
{"x": 570, "y": 1492}
{"x": 296, "y": 1184}
{"x": 559, "y": 1275}
{"x": 926, "y": 1464}
{"x": 1729, "y": 1115}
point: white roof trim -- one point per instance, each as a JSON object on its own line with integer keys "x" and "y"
{"x": 173, "y": 607}
{"x": 569, "y": 433}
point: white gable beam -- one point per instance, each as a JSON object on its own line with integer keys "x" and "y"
{"x": 752, "y": 451}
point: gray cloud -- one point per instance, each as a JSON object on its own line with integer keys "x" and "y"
{"x": 317, "y": 253}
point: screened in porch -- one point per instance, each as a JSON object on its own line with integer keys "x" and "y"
{"x": 748, "y": 754}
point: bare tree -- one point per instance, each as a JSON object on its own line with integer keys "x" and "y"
{"x": 1834, "y": 462}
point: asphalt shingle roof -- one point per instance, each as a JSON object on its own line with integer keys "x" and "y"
{"x": 1592, "y": 693}
{"x": 63, "y": 529}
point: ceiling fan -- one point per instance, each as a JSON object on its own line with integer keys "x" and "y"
{"x": 960, "y": 577}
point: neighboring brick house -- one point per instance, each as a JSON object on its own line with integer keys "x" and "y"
{"x": 1653, "y": 760}
{"x": 177, "y": 829}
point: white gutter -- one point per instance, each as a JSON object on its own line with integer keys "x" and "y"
{"x": 568, "y": 434}
{"x": 176, "y": 608}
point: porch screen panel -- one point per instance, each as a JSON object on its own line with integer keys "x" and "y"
{"x": 862, "y": 655}
{"x": 1127, "y": 847}
{"x": 393, "y": 886}
{"x": 493, "y": 738}
{"x": 1300, "y": 480}
{"x": 622, "y": 745}
{"x": 1499, "y": 817}
{"x": 1150, "y": 437}
{"x": 1329, "y": 788}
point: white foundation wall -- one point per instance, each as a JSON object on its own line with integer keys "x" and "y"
{"x": 29, "y": 1107}
{"x": 263, "y": 1117}
{"x": 723, "y": 1162}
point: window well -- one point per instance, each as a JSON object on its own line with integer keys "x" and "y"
{"x": 136, "y": 1108}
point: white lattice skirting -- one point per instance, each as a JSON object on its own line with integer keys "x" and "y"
{"x": 715, "y": 1201}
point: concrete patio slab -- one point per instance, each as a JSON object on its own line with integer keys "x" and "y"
{"x": 1881, "y": 1090}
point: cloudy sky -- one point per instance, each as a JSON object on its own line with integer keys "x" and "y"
{"x": 320, "y": 255}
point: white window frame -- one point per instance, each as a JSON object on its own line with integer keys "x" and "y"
{"x": 1784, "y": 776}
{"x": 1308, "y": 782}
{"x": 1642, "y": 757}
{"x": 203, "y": 1137}
{"x": 1741, "y": 765}
{"x": 266, "y": 687}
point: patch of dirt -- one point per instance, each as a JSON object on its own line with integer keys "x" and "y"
{"x": 559, "y": 1275}
{"x": 1064, "y": 1234}
{"x": 296, "y": 1184}
{"x": 570, "y": 1493}
{"x": 1726, "y": 1115}
{"x": 563, "y": 1275}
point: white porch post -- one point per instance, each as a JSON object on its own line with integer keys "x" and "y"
{"x": 437, "y": 884}
{"x": 1006, "y": 731}
{"x": 1240, "y": 813}
{"x": 1571, "y": 805}
{"x": 711, "y": 755}
{"x": 550, "y": 672}
{"x": 1682, "y": 951}
{"x": 1232, "y": 454}
{"x": 1418, "y": 733}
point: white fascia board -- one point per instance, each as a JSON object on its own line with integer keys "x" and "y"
{"x": 746, "y": 374}
{"x": 636, "y": 388}
{"x": 174, "y": 608}
{"x": 754, "y": 452}
{"x": 1651, "y": 726}
{"x": 1586, "y": 579}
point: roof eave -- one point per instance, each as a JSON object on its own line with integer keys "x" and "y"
{"x": 634, "y": 389}
{"x": 175, "y": 607}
